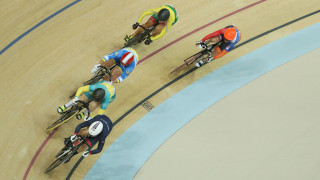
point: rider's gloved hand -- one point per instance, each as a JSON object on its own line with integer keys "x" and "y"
{"x": 135, "y": 26}
{"x": 148, "y": 41}
{"x": 75, "y": 100}
{"x": 86, "y": 153}
{"x": 201, "y": 45}
{"x": 73, "y": 138}
{"x": 95, "y": 68}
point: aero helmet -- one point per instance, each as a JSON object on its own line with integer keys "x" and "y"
{"x": 95, "y": 128}
{"x": 163, "y": 14}
{"x": 230, "y": 34}
{"x": 127, "y": 58}
{"x": 98, "y": 95}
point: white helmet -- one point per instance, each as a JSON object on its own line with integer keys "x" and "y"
{"x": 95, "y": 128}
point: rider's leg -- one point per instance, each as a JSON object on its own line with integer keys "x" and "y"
{"x": 215, "y": 51}
{"x": 115, "y": 73}
{"x": 85, "y": 98}
{"x": 158, "y": 29}
{"x": 146, "y": 25}
{"x": 108, "y": 63}
{"x": 70, "y": 103}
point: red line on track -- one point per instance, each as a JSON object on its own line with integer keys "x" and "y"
{"x": 38, "y": 152}
{"x": 142, "y": 60}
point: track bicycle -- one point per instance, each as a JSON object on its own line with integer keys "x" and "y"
{"x": 70, "y": 113}
{"x": 146, "y": 35}
{"x": 204, "y": 55}
{"x": 67, "y": 152}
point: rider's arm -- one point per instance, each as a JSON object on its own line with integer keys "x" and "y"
{"x": 82, "y": 90}
{"x": 148, "y": 12}
{"x": 214, "y": 34}
{"x": 82, "y": 125}
{"x": 101, "y": 144}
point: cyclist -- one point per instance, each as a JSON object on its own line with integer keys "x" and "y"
{"x": 228, "y": 37}
{"x": 102, "y": 93}
{"x": 96, "y": 130}
{"x": 162, "y": 18}
{"x": 125, "y": 61}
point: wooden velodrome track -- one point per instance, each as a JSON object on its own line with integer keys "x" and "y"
{"x": 41, "y": 68}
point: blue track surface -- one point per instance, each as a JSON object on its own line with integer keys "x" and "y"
{"x": 123, "y": 159}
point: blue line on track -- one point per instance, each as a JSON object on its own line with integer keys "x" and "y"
{"x": 36, "y": 26}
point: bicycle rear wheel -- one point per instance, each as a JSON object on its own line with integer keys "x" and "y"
{"x": 63, "y": 119}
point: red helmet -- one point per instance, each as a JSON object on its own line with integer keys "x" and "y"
{"x": 127, "y": 58}
{"x": 230, "y": 34}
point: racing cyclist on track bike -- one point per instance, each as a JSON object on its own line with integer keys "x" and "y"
{"x": 96, "y": 130}
{"x": 228, "y": 36}
{"x": 102, "y": 93}
{"x": 124, "y": 60}
{"x": 162, "y": 18}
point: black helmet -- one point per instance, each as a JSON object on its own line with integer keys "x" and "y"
{"x": 98, "y": 95}
{"x": 163, "y": 14}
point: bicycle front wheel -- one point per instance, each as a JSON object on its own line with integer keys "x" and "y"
{"x": 63, "y": 119}
{"x": 55, "y": 164}
{"x": 60, "y": 160}
{"x": 188, "y": 61}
